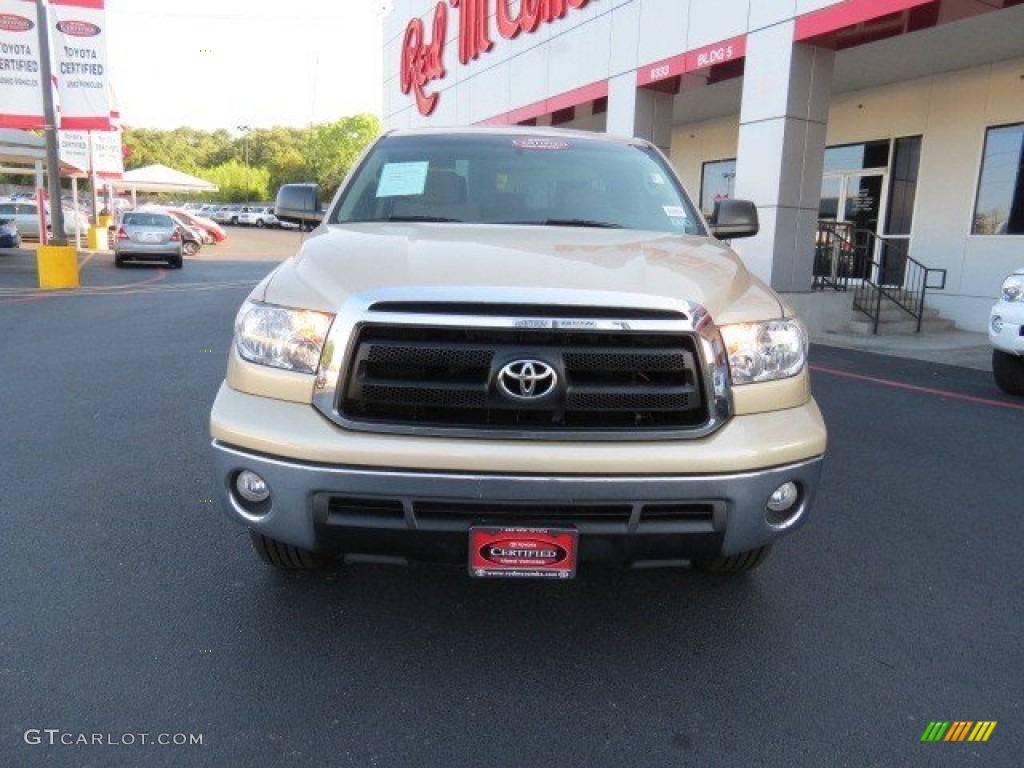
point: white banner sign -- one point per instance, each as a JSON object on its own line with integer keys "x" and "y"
{"x": 21, "y": 102}
{"x": 74, "y": 150}
{"x": 107, "y": 160}
{"x": 103, "y": 158}
{"x": 79, "y": 42}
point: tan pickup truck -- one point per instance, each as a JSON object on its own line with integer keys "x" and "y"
{"x": 520, "y": 351}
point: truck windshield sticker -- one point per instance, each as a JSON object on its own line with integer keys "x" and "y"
{"x": 674, "y": 211}
{"x": 539, "y": 142}
{"x": 403, "y": 179}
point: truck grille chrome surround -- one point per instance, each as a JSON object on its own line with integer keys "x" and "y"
{"x": 394, "y": 364}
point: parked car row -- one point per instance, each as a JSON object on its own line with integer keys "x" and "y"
{"x": 261, "y": 216}
{"x": 24, "y": 216}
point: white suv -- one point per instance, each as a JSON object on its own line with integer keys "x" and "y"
{"x": 1006, "y": 332}
{"x": 257, "y": 216}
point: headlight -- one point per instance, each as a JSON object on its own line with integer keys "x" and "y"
{"x": 776, "y": 349}
{"x": 280, "y": 337}
{"x": 1013, "y": 288}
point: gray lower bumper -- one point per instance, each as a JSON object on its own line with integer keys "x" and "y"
{"x": 296, "y": 512}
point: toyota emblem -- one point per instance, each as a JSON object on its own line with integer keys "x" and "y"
{"x": 527, "y": 379}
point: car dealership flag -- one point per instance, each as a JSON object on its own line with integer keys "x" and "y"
{"x": 79, "y": 41}
{"x": 21, "y": 101}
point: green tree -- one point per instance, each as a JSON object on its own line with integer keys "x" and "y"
{"x": 252, "y": 166}
{"x": 334, "y": 147}
{"x": 238, "y": 182}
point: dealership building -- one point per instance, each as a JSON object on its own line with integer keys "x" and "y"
{"x": 873, "y": 135}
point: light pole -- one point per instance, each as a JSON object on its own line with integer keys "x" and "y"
{"x": 58, "y": 237}
{"x": 245, "y": 152}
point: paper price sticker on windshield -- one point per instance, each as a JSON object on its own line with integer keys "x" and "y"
{"x": 403, "y": 179}
{"x": 531, "y": 553}
{"x": 539, "y": 143}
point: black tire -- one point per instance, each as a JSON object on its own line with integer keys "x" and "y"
{"x": 118, "y": 261}
{"x": 740, "y": 563}
{"x": 1009, "y": 372}
{"x": 260, "y": 224}
{"x": 176, "y": 262}
{"x": 190, "y": 247}
{"x": 285, "y": 557}
{"x": 234, "y": 220}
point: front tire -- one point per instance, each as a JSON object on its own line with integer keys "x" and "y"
{"x": 285, "y": 557}
{"x": 738, "y": 563}
{"x": 260, "y": 224}
{"x": 1009, "y": 372}
{"x": 190, "y": 248}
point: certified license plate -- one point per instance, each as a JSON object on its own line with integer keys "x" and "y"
{"x": 525, "y": 553}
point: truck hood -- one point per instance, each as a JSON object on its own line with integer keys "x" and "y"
{"x": 510, "y": 263}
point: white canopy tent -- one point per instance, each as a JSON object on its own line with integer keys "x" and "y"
{"x": 24, "y": 153}
{"x": 21, "y": 152}
{"x": 160, "y": 178}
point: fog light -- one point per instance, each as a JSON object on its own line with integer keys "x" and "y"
{"x": 251, "y": 487}
{"x": 783, "y": 498}
{"x": 997, "y": 324}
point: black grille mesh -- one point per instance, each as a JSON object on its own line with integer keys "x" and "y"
{"x": 447, "y": 378}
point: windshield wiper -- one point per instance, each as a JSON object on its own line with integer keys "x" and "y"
{"x": 418, "y": 218}
{"x": 579, "y": 223}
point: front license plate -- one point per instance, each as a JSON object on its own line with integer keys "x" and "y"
{"x": 525, "y": 553}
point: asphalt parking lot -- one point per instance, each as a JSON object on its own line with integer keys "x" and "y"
{"x": 133, "y": 606}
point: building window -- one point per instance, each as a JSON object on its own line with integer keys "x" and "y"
{"x": 717, "y": 180}
{"x": 856, "y": 157}
{"x": 999, "y": 209}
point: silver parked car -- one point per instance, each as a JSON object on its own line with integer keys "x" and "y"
{"x": 25, "y": 215}
{"x": 148, "y": 236}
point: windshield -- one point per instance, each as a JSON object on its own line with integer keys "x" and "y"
{"x": 524, "y": 179}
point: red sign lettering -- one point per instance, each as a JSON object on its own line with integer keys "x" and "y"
{"x": 423, "y": 62}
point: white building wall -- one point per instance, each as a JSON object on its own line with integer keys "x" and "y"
{"x": 952, "y": 112}
{"x": 610, "y": 40}
{"x": 601, "y": 40}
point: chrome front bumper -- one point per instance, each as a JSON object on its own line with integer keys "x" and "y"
{"x": 298, "y": 510}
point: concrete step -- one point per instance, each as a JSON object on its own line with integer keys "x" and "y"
{"x": 896, "y": 314}
{"x": 862, "y": 326}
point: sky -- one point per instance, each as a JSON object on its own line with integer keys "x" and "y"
{"x": 212, "y": 64}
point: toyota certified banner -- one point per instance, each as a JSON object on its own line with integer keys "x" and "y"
{"x": 79, "y": 41}
{"x": 21, "y": 104}
{"x": 107, "y": 157}
{"x": 84, "y": 153}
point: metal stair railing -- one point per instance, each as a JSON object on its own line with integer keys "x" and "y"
{"x": 838, "y": 259}
{"x": 893, "y": 275}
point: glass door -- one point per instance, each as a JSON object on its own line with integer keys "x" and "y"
{"x": 853, "y": 203}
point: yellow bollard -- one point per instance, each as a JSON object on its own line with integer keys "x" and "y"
{"x": 104, "y": 220}
{"x": 98, "y": 239}
{"x": 58, "y": 266}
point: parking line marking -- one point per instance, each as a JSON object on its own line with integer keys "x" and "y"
{"x": 23, "y": 295}
{"x": 915, "y": 388}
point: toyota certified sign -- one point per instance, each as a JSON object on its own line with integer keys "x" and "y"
{"x": 527, "y": 379}
{"x": 9, "y": 22}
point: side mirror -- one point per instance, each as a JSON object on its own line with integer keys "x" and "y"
{"x": 734, "y": 218}
{"x": 297, "y": 203}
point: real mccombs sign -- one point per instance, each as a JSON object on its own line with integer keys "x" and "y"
{"x": 423, "y": 57}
